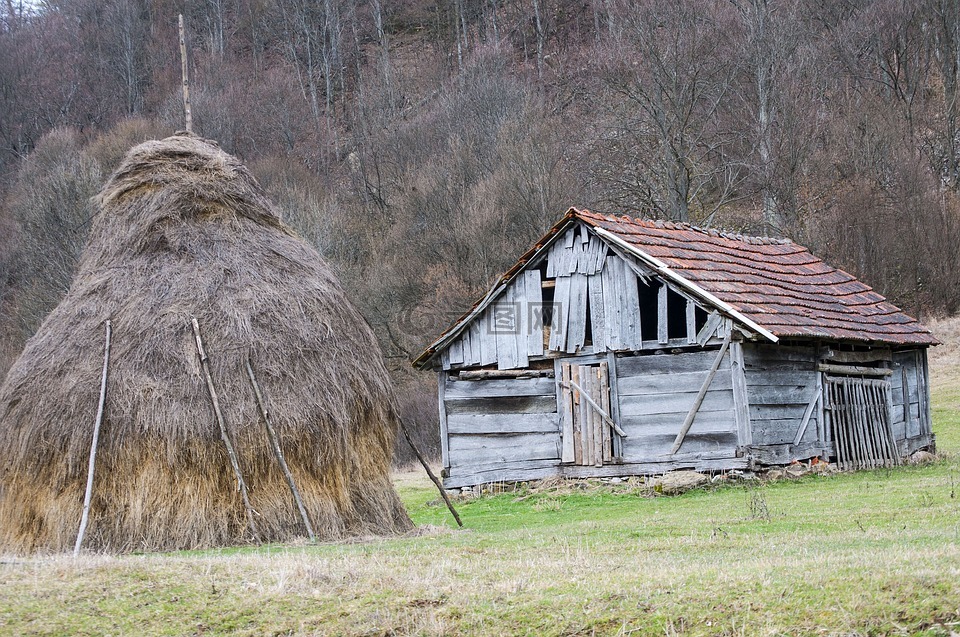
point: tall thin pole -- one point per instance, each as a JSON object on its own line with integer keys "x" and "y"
{"x": 84, "y": 518}
{"x": 185, "y": 72}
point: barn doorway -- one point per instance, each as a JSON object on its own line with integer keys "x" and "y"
{"x": 589, "y": 434}
{"x": 860, "y": 422}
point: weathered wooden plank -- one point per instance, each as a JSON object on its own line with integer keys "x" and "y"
{"x": 476, "y": 356}
{"x": 761, "y": 356}
{"x": 741, "y": 401}
{"x": 691, "y": 322}
{"x": 649, "y": 447}
{"x": 821, "y": 425}
{"x": 658, "y": 384}
{"x": 630, "y": 336}
{"x": 601, "y": 255}
{"x": 455, "y": 351}
{"x": 924, "y": 392}
{"x": 506, "y": 328}
{"x": 669, "y": 424}
{"x": 577, "y": 317}
{"x": 471, "y": 475}
{"x": 777, "y": 412}
{"x": 662, "y": 335}
{"x": 568, "y": 453}
{"x": 612, "y": 382}
{"x": 709, "y": 329}
{"x": 679, "y": 402}
{"x": 871, "y": 356}
{"x": 853, "y": 370}
{"x": 553, "y": 256}
{"x": 780, "y": 378}
{"x": 611, "y": 302}
{"x": 577, "y": 408}
{"x": 488, "y": 338}
{"x": 444, "y": 434}
{"x": 606, "y": 431}
{"x": 781, "y": 394}
{"x": 503, "y": 405}
{"x": 529, "y": 306}
{"x": 459, "y": 424}
{"x": 561, "y": 300}
{"x": 668, "y": 363}
{"x": 597, "y": 324}
{"x": 504, "y": 447}
{"x": 543, "y": 386}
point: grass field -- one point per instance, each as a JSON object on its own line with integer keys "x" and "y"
{"x": 870, "y": 553}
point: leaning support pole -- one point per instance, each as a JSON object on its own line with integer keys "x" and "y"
{"x": 443, "y": 493}
{"x": 688, "y": 421}
{"x": 223, "y": 431}
{"x": 84, "y": 518}
{"x": 278, "y": 452}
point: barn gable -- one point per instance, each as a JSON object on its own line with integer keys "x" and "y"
{"x": 578, "y": 293}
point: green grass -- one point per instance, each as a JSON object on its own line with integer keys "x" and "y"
{"x": 870, "y": 553}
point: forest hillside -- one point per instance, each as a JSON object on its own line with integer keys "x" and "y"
{"x": 421, "y": 145}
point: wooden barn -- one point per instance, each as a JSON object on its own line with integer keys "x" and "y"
{"x": 619, "y": 346}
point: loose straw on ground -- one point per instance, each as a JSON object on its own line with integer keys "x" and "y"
{"x": 85, "y": 517}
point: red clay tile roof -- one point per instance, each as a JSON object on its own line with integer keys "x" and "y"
{"x": 774, "y": 282}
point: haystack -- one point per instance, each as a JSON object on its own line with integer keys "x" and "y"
{"x": 184, "y": 232}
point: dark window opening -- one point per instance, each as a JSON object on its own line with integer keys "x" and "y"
{"x": 676, "y": 315}
{"x": 648, "y": 293}
{"x": 700, "y": 318}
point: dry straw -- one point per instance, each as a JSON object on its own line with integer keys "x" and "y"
{"x": 184, "y": 231}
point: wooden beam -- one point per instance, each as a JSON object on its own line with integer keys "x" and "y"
{"x": 662, "y": 314}
{"x": 707, "y": 331}
{"x": 836, "y": 356}
{"x": 234, "y": 462}
{"x": 853, "y": 370}
{"x": 88, "y": 494}
{"x": 688, "y": 421}
{"x": 806, "y": 415}
{"x": 278, "y": 453}
{"x": 484, "y": 374}
{"x": 185, "y": 77}
{"x": 691, "y": 322}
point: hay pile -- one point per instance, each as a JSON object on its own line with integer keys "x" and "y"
{"x": 184, "y": 231}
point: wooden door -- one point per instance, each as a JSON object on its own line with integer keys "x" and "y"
{"x": 860, "y": 422}
{"x": 590, "y": 437}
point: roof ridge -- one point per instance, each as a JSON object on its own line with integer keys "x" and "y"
{"x": 685, "y": 225}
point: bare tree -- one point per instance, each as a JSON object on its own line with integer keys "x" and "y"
{"x": 666, "y": 150}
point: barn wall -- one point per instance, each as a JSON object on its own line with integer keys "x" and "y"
{"x": 656, "y": 393}
{"x": 911, "y": 400}
{"x": 781, "y": 381}
{"x": 499, "y": 429}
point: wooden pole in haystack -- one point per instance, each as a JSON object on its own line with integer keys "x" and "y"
{"x": 84, "y": 517}
{"x": 278, "y": 452}
{"x": 443, "y": 493}
{"x": 223, "y": 431}
{"x": 185, "y": 74}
